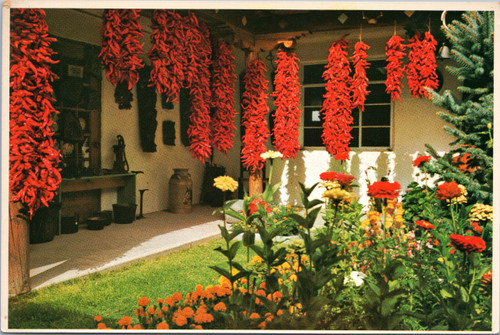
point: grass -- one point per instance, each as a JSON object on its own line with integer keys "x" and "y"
{"x": 114, "y": 294}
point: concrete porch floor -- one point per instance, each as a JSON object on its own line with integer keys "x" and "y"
{"x": 70, "y": 256}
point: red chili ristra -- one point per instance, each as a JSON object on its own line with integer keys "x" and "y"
{"x": 421, "y": 67}
{"x": 255, "y": 108}
{"x": 120, "y": 46}
{"x": 337, "y": 104}
{"x": 223, "y": 78}
{"x": 287, "y": 100}
{"x": 394, "y": 51}
{"x": 359, "y": 79}
{"x": 33, "y": 173}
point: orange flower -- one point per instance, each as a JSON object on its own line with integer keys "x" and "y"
{"x": 277, "y": 296}
{"x": 262, "y": 325}
{"x": 159, "y": 301}
{"x": 164, "y": 308}
{"x": 151, "y": 310}
{"x": 179, "y": 319}
{"x": 137, "y": 326}
{"x": 101, "y": 325}
{"x": 125, "y": 321}
{"x": 169, "y": 301}
{"x": 144, "y": 301}
{"x": 98, "y": 318}
{"x": 279, "y": 312}
{"x": 254, "y": 316}
{"x": 199, "y": 287}
{"x": 187, "y": 312}
{"x": 193, "y": 326}
{"x": 162, "y": 325}
{"x": 220, "y": 307}
{"x": 177, "y": 296}
{"x": 139, "y": 311}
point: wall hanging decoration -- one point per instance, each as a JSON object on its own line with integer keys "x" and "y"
{"x": 337, "y": 104}
{"x": 421, "y": 67}
{"x": 120, "y": 49}
{"x": 146, "y": 103}
{"x": 167, "y": 55}
{"x": 198, "y": 78}
{"x": 224, "y": 111}
{"x": 168, "y": 131}
{"x": 359, "y": 79}
{"x": 33, "y": 174}
{"x": 394, "y": 50}
{"x": 255, "y": 108}
{"x": 287, "y": 100}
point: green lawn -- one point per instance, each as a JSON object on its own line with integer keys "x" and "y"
{"x": 114, "y": 294}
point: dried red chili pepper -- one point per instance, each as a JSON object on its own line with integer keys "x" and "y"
{"x": 359, "y": 79}
{"x": 421, "y": 67}
{"x": 287, "y": 100}
{"x": 33, "y": 174}
{"x": 394, "y": 51}
{"x": 120, "y": 46}
{"x": 337, "y": 104}
{"x": 223, "y": 97}
{"x": 255, "y": 108}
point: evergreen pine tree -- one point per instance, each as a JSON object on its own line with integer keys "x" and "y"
{"x": 470, "y": 162}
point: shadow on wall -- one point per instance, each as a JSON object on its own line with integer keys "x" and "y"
{"x": 295, "y": 174}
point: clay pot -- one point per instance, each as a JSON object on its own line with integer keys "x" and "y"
{"x": 180, "y": 192}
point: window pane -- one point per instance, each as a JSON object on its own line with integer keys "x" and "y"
{"x": 376, "y": 137}
{"x": 377, "y": 70}
{"x": 355, "y": 138}
{"x": 377, "y": 94}
{"x": 355, "y": 117}
{"x": 312, "y": 137}
{"x": 313, "y": 96}
{"x": 313, "y": 73}
{"x": 377, "y": 115}
{"x": 313, "y": 117}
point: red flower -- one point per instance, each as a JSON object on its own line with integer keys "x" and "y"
{"x": 425, "y": 224}
{"x": 421, "y": 69}
{"x": 255, "y": 108}
{"x": 287, "y": 101}
{"x": 487, "y": 278}
{"x": 420, "y": 160}
{"x": 394, "y": 51}
{"x": 337, "y": 104}
{"x": 342, "y": 178}
{"x": 477, "y": 228}
{"x": 223, "y": 97}
{"x": 448, "y": 190}
{"x": 463, "y": 162}
{"x": 359, "y": 79}
{"x": 468, "y": 243}
{"x": 329, "y": 175}
{"x": 384, "y": 190}
{"x": 253, "y": 206}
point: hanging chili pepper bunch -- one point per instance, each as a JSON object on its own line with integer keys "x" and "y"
{"x": 33, "y": 174}
{"x": 421, "y": 67}
{"x": 359, "y": 79}
{"x": 223, "y": 97}
{"x": 255, "y": 108}
{"x": 287, "y": 100}
{"x": 167, "y": 55}
{"x": 394, "y": 50}
{"x": 120, "y": 46}
{"x": 199, "y": 62}
{"x": 337, "y": 104}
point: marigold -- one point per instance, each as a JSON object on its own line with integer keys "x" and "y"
{"x": 138, "y": 326}
{"x": 220, "y": 307}
{"x": 384, "y": 190}
{"x": 425, "y": 224}
{"x": 98, "y": 318}
{"x": 468, "y": 243}
{"x": 254, "y": 316}
{"x": 177, "y": 296}
{"x": 420, "y": 160}
{"x": 179, "y": 319}
{"x": 448, "y": 190}
{"x": 125, "y": 321}
{"x": 187, "y": 312}
{"x": 151, "y": 310}
{"x": 162, "y": 325}
{"x": 144, "y": 301}
{"x": 225, "y": 183}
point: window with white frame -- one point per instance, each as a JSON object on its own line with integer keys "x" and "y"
{"x": 371, "y": 128}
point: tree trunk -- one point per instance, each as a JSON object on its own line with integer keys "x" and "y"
{"x": 19, "y": 244}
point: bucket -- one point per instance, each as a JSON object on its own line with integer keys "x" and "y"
{"x": 180, "y": 192}
{"x": 124, "y": 213}
{"x": 107, "y": 216}
{"x": 95, "y": 223}
{"x": 43, "y": 225}
{"x": 69, "y": 224}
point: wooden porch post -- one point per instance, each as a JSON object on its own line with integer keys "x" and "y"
{"x": 255, "y": 180}
{"x": 19, "y": 269}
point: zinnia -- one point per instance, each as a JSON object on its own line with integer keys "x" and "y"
{"x": 337, "y": 194}
{"x": 270, "y": 154}
{"x": 425, "y": 224}
{"x": 225, "y": 183}
{"x": 384, "y": 190}
{"x": 487, "y": 278}
{"x": 468, "y": 243}
{"x": 477, "y": 228}
{"x": 420, "y": 160}
{"x": 253, "y": 207}
{"x": 448, "y": 190}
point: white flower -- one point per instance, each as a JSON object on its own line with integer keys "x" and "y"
{"x": 271, "y": 154}
{"x": 356, "y": 277}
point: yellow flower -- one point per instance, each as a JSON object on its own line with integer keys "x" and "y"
{"x": 225, "y": 183}
{"x": 336, "y": 194}
{"x": 271, "y": 154}
{"x": 481, "y": 212}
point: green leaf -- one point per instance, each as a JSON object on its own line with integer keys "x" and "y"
{"x": 388, "y": 305}
{"x": 315, "y": 202}
{"x": 236, "y": 215}
{"x": 311, "y": 218}
{"x": 233, "y": 250}
{"x": 445, "y": 294}
{"x": 248, "y": 238}
{"x": 221, "y": 271}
